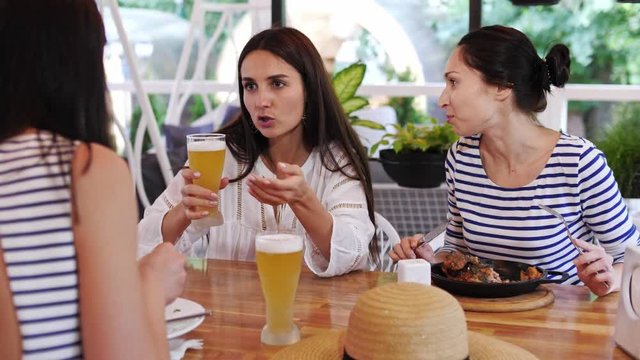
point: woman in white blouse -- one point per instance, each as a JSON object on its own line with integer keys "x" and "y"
{"x": 293, "y": 145}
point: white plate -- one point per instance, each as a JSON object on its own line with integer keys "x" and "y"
{"x": 182, "y": 307}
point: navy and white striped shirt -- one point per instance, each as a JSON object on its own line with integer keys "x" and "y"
{"x": 495, "y": 222}
{"x": 37, "y": 242}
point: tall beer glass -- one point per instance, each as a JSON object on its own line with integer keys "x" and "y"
{"x": 206, "y": 156}
{"x": 279, "y": 258}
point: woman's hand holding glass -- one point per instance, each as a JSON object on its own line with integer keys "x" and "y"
{"x": 595, "y": 268}
{"x": 288, "y": 187}
{"x": 195, "y": 197}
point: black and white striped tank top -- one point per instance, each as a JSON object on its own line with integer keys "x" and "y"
{"x": 37, "y": 242}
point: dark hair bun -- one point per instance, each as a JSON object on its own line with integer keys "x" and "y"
{"x": 558, "y": 65}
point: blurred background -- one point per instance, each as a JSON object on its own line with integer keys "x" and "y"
{"x": 404, "y": 45}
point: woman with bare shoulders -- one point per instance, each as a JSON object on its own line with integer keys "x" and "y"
{"x": 70, "y": 286}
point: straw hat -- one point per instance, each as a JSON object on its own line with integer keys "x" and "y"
{"x": 404, "y": 321}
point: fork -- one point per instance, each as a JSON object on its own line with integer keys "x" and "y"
{"x": 564, "y": 222}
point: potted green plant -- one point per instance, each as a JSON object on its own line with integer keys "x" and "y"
{"x": 620, "y": 143}
{"x": 417, "y": 154}
{"x": 346, "y": 83}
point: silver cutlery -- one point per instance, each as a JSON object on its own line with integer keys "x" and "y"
{"x": 566, "y": 226}
{"x": 426, "y": 238}
{"x": 564, "y": 222}
{"x": 191, "y": 316}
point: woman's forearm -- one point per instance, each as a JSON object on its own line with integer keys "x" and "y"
{"x": 316, "y": 220}
{"x": 174, "y": 223}
{"x": 154, "y": 303}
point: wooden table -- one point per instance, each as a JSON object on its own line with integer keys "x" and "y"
{"x": 576, "y": 326}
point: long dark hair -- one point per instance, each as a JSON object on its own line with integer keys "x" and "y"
{"x": 325, "y": 123}
{"x": 51, "y": 69}
{"x": 506, "y": 57}
{"x": 52, "y": 75}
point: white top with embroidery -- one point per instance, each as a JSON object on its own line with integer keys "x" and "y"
{"x": 244, "y": 217}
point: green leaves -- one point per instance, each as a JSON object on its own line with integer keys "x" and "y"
{"x": 602, "y": 35}
{"x": 356, "y": 121}
{"x": 621, "y": 146}
{"x": 354, "y": 103}
{"x": 347, "y": 81}
{"x": 414, "y": 137}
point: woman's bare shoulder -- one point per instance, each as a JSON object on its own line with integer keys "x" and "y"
{"x": 98, "y": 163}
{"x": 100, "y": 176}
{"x": 104, "y": 195}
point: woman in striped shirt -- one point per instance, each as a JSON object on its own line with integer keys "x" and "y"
{"x": 506, "y": 163}
{"x": 70, "y": 286}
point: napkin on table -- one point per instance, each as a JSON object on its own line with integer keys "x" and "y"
{"x": 178, "y": 347}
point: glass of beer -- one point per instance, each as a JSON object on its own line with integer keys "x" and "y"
{"x": 206, "y": 156}
{"x": 279, "y": 259}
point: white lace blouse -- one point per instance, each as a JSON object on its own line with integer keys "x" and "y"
{"x": 244, "y": 217}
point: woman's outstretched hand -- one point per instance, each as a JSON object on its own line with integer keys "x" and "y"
{"x": 167, "y": 266}
{"x": 288, "y": 187}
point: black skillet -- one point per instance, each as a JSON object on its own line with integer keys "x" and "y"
{"x": 507, "y": 269}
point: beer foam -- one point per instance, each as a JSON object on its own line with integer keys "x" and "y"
{"x": 278, "y": 243}
{"x": 206, "y": 146}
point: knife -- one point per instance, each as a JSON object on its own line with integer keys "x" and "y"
{"x": 428, "y": 237}
{"x": 185, "y": 317}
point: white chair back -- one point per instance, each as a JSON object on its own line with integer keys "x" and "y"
{"x": 387, "y": 237}
{"x": 204, "y": 47}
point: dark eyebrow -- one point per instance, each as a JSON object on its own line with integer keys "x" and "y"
{"x": 272, "y": 77}
{"x": 278, "y": 76}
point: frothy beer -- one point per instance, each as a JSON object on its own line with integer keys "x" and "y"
{"x": 279, "y": 259}
{"x": 206, "y": 156}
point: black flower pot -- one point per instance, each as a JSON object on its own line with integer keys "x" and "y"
{"x": 417, "y": 169}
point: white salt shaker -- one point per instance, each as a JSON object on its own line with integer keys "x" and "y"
{"x": 414, "y": 270}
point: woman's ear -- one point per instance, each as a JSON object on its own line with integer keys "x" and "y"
{"x": 503, "y": 93}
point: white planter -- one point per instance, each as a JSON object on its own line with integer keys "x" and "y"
{"x": 633, "y": 204}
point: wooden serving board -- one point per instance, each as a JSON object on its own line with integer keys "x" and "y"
{"x": 540, "y": 297}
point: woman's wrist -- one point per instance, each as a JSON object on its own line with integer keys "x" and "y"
{"x": 151, "y": 282}
{"x": 304, "y": 199}
{"x": 316, "y": 220}
{"x": 174, "y": 223}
